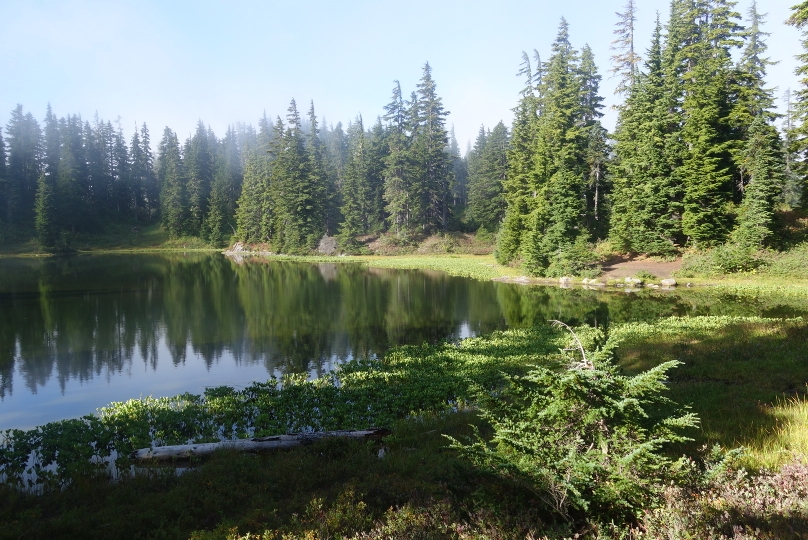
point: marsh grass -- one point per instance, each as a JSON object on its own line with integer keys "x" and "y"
{"x": 744, "y": 377}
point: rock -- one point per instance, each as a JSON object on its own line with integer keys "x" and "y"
{"x": 327, "y": 246}
{"x": 596, "y": 283}
{"x": 652, "y": 286}
{"x": 565, "y": 281}
{"x": 238, "y": 247}
{"x": 585, "y": 281}
{"x": 670, "y": 282}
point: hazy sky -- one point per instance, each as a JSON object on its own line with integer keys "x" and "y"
{"x": 173, "y": 62}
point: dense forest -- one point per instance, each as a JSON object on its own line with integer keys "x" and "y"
{"x": 698, "y": 158}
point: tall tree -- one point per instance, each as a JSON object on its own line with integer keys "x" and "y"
{"x": 397, "y": 177}
{"x": 486, "y": 203}
{"x": 517, "y": 188}
{"x": 23, "y": 169}
{"x": 625, "y": 61}
{"x": 429, "y": 143}
{"x": 799, "y": 133}
{"x": 764, "y": 166}
{"x": 173, "y": 195}
{"x": 198, "y": 162}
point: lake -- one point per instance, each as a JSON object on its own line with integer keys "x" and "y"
{"x": 78, "y": 333}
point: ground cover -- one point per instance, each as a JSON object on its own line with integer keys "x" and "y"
{"x": 744, "y": 377}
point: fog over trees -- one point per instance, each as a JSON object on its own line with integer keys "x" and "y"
{"x": 698, "y": 158}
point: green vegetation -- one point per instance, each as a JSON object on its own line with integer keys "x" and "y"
{"x": 737, "y": 373}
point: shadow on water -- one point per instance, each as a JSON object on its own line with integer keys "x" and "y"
{"x": 98, "y": 319}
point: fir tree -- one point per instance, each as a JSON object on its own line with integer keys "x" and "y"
{"x": 45, "y": 220}
{"x": 517, "y": 187}
{"x": 646, "y": 194}
{"x": 355, "y": 188}
{"x": 430, "y": 140}
{"x": 198, "y": 162}
{"x": 799, "y": 132}
{"x": 173, "y": 195}
{"x": 486, "y": 202}
{"x": 764, "y": 167}
{"x": 397, "y": 192}
{"x": 23, "y": 169}
{"x": 625, "y": 62}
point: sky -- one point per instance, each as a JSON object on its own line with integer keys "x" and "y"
{"x": 173, "y": 63}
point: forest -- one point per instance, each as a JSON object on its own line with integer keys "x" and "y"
{"x": 699, "y": 158}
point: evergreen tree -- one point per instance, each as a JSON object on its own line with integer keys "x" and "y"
{"x": 517, "y": 188}
{"x": 316, "y": 183}
{"x": 251, "y": 209}
{"x": 45, "y": 219}
{"x": 558, "y": 206}
{"x": 646, "y": 196}
{"x": 397, "y": 192}
{"x": 707, "y": 167}
{"x": 460, "y": 175}
{"x": 625, "y": 62}
{"x": 198, "y": 162}
{"x": 73, "y": 184}
{"x": 4, "y": 186}
{"x": 799, "y": 132}
{"x": 377, "y": 152}
{"x": 355, "y": 188}
{"x": 486, "y": 202}
{"x": 219, "y": 223}
{"x": 429, "y": 143}
{"x": 764, "y": 167}
{"x": 173, "y": 195}
{"x": 23, "y": 169}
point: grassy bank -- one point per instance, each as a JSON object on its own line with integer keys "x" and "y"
{"x": 743, "y": 376}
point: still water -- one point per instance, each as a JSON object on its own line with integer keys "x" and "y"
{"x": 78, "y": 333}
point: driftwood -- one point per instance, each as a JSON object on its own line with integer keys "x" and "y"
{"x": 256, "y": 444}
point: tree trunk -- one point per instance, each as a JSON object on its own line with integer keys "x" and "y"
{"x": 256, "y": 444}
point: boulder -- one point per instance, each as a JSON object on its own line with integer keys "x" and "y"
{"x": 670, "y": 282}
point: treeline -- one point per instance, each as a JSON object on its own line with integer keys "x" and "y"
{"x": 695, "y": 160}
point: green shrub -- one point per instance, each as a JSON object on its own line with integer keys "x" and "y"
{"x": 645, "y": 275}
{"x": 586, "y": 440}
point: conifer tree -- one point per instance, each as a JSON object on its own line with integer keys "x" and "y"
{"x": 355, "y": 188}
{"x": 73, "y": 180}
{"x": 397, "y": 192}
{"x": 707, "y": 166}
{"x": 23, "y": 169}
{"x": 799, "y": 132}
{"x": 198, "y": 162}
{"x": 556, "y": 222}
{"x": 4, "y": 186}
{"x": 377, "y": 151}
{"x": 625, "y": 62}
{"x": 317, "y": 183}
{"x": 486, "y": 203}
{"x": 764, "y": 167}
{"x": 460, "y": 175}
{"x": 646, "y": 194}
{"x": 429, "y": 142}
{"x": 45, "y": 216}
{"x": 517, "y": 188}
{"x": 173, "y": 195}
{"x": 252, "y": 210}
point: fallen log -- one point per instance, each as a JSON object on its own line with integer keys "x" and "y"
{"x": 256, "y": 444}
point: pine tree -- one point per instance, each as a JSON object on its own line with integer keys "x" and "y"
{"x": 4, "y": 185}
{"x": 316, "y": 197}
{"x": 764, "y": 167}
{"x": 251, "y": 210}
{"x": 377, "y": 155}
{"x": 23, "y": 169}
{"x": 486, "y": 203}
{"x": 73, "y": 196}
{"x": 429, "y": 143}
{"x": 625, "y": 62}
{"x": 198, "y": 162}
{"x": 397, "y": 192}
{"x": 646, "y": 196}
{"x": 173, "y": 195}
{"x": 517, "y": 187}
{"x": 799, "y": 133}
{"x": 556, "y": 221}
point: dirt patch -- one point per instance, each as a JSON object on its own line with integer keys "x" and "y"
{"x": 622, "y": 267}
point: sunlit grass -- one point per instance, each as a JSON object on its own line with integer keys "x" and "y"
{"x": 740, "y": 375}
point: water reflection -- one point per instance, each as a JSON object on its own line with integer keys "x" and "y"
{"x": 80, "y": 332}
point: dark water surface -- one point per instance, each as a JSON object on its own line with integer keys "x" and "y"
{"x": 81, "y": 332}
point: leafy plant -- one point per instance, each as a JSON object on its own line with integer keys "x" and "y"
{"x": 584, "y": 439}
